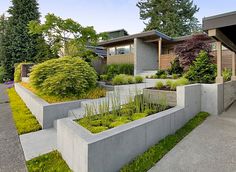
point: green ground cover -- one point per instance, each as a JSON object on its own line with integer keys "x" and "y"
{"x": 120, "y": 114}
{"x": 149, "y": 158}
{"x": 50, "y": 162}
{"x": 25, "y": 121}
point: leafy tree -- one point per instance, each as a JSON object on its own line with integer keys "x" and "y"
{"x": 189, "y": 49}
{"x": 3, "y": 23}
{"x": 19, "y": 45}
{"x": 202, "y": 70}
{"x": 65, "y": 37}
{"x": 172, "y": 17}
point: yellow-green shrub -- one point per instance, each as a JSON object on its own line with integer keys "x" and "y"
{"x": 63, "y": 77}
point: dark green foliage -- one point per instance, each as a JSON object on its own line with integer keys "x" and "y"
{"x": 175, "y": 67}
{"x": 63, "y": 77}
{"x": 50, "y": 162}
{"x": 172, "y": 17}
{"x": 2, "y": 74}
{"x": 116, "y": 69}
{"x": 149, "y": 158}
{"x": 202, "y": 70}
{"x": 19, "y": 45}
{"x": 161, "y": 73}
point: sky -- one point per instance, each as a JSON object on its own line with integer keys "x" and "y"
{"x": 107, "y": 15}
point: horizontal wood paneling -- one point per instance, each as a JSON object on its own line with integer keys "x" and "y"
{"x": 121, "y": 59}
{"x": 165, "y": 60}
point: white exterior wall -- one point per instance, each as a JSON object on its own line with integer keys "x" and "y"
{"x": 145, "y": 56}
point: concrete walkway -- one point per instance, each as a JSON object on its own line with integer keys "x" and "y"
{"x": 11, "y": 153}
{"x": 211, "y": 147}
{"x": 39, "y": 143}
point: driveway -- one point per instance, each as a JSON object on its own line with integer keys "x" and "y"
{"x": 211, "y": 147}
{"x": 11, "y": 153}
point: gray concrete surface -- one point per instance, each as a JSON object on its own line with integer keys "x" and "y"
{"x": 39, "y": 143}
{"x": 210, "y": 147}
{"x": 11, "y": 154}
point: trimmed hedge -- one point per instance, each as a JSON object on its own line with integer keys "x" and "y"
{"x": 63, "y": 77}
{"x": 116, "y": 69}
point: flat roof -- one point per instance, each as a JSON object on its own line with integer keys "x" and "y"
{"x": 225, "y": 26}
{"x": 147, "y": 34}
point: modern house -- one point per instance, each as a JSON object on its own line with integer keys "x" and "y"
{"x": 150, "y": 50}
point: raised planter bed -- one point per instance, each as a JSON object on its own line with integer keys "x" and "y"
{"x": 45, "y": 113}
{"x": 110, "y": 150}
{"x": 153, "y": 95}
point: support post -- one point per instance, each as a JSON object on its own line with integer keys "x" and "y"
{"x": 159, "y": 52}
{"x": 219, "y": 78}
{"x": 233, "y": 78}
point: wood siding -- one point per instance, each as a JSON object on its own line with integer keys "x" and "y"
{"x": 226, "y": 59}
{"x": 165, "y": 60}
{"x": 121, "y": 59}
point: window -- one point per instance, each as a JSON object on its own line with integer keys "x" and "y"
{"x": 126, "y": 49}
{"x": 112, "y": 51}
{"x": 123, "y": 49}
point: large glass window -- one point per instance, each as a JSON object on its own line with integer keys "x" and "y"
{"x": 123, "y": 49}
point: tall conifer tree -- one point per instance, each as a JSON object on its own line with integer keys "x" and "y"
{"x": 172, "y": 17}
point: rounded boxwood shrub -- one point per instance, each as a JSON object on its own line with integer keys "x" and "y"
{"x": 63, "y": 77}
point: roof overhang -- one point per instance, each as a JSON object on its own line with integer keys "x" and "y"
{"x": 222, "y": 28}
{"x": 149, "y": 36}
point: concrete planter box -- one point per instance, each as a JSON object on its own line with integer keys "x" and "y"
{"x": 112, "y": 149}
{"x": 45, "y": 113}
{"x": 154, "y": 95}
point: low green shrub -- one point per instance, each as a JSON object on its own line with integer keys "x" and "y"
{"x": 148, "y": 159}
{"x": 138, "y": 79}
{"x": 104, "y": 77}
{"x": 63, "y": 77}
{"x": 175, "y": 67}
{"x": 159, "y": 85}
{"x": 202, "y": 70}
{"x": 227, "y": 73}
{"x": 123, "y": 79}
{"x": 130, "y": 79}
{"x": 48, "y": 162}
{"x": 169, "y": 83}
{"x": 116, "y": 69}
{"x": 160, "y": 73}
{"x": 120, "y": 79}
{"x": 174, "y": 76}
{"x": 163, "y": 76}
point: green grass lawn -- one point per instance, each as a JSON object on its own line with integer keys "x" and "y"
{"x": 149, "y": 158}
{"x": 51, "y": 162}
{"x": 24, "y": 120}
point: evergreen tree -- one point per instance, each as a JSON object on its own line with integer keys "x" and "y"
{"x": 172, "y": 17}
{"x": 19, "y": 44}
{"x": 3, "y": 23}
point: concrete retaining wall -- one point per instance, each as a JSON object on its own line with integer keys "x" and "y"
{"x": 110, "y": 150}
{"x": 154, "y": 96}
{"x": 45, "y": 113}
{"x": 229, "y": 93}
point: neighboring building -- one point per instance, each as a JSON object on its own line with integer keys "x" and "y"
{"x": 148, "y": 51}
{"x": 117, "y": 33}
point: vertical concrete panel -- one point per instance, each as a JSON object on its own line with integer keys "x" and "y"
{"x": 145, "y": 56}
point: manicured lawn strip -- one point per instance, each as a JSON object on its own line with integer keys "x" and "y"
{"x": 149, "y": 158}
{"x": 50, "y": 162}
{"x": 92, "y": 94}
{"x": 24, "y": 120}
